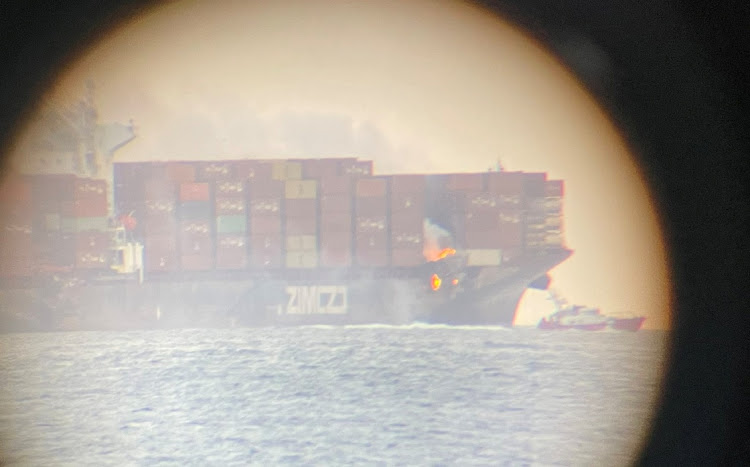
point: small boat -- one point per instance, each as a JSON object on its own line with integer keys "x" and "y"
{"x": 585, "y": 318}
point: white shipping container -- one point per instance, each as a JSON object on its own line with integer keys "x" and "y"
{"x": 301, "y": 259}
{"x": 484, "y": 257}
{"x": 301, "y": 243}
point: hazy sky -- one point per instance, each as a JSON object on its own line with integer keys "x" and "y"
{"x": 419, "y": 86}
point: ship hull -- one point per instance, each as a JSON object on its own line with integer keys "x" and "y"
{"x": 245, "y": 301}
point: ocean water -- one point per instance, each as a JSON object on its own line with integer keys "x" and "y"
{"x": 370, "y": 395}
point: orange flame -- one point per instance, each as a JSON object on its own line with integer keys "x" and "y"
{"x": 438, "y": 255}
{"x": 435, "y": 282}
{"x": 455, "y": 281}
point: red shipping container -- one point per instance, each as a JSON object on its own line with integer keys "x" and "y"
{"x": 53, "y": 187}
{"x": 335, "y": 249}
{"x": 371, "y": 224}
{"x": 158, "y": 224}
{"x": 17, "y": 216}
{"x": 195, "y": 192}
{"x": 407, "y": 257}
{"x": 554, "y": 188}
{"x": 304, "y": 208}
{"x": 301, "y": 226}
{"x": 371, "y": 241}
{"x": 477, "y": 202}
{"x": 482, "y": 239}
{"x": 92, "y": 241}
{"x": 196, "y": 228}
{"x": 264, "y": 224}
{"x": 412, "y": 184}
{"x": 505, "y": 183}
{"x": 335, "y": 240}
{"x": 335, "y": 203}
{"x": 231, "y": 252}
{"x": 157, "y": 190}
{"x": 356, "y": 168}
{"x": 253, "y": 170}
{"x": 196, "y": 245}
{"x": 231, "y": 258}
{"x": 373, "y": 258}
{"x": 15, "y": 190}
{"x": 535, "y": 185}
{"x": 229, "y": 206}
{"x": 404, "y": 239}
{"x": 265, "y": 207}
{"x": 341, "y": 185}
{"x": 160, "y": 253}
{"x": 16, "y": 243}
{"x": 87, "y": 188}
{"x": 160, "y": 208}
{"x": 180, "y": 172}
{"x": 320, "y": 168}
{"x": 407, "y": 224}
{"x": 219, "y": 170}
{"x": 17, "y": 266}
{"x": 197, "y": 262}
{"x": 371, "y": 206}
{"x": 481, "y": 221}
{"x": 91, "y": 207}
{"x": 94, "y": 259}
{"x": 335, "y": 222}
{"x": 408, "y": 205}
{"x": 265, "y": 251}
{"x": 230, "y": 189}
{"x": 466, "y": 182}
{"x": 511, "y": 235}
{"x": 371, "y": 187}
{"x": 264, "y": 188}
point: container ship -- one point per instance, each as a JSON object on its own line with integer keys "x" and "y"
{"x": 252, "y": 242}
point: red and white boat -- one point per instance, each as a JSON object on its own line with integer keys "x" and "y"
{"x": 585, "y": 318}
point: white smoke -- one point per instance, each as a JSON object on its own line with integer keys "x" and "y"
{"x": 435, "y": 237}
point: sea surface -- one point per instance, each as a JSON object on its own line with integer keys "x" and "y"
{"x": 368, "y": 395}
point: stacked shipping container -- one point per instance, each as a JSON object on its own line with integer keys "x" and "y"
{"x": 372, "y": 241}
{"x": 336, "y": 233}
{"x": 554, "y": 191}
{"x": 301, "y": 223}
{"x": 16, "y": 255}
{"x": 235, "y": 215}
{"x": 407, "y": 209}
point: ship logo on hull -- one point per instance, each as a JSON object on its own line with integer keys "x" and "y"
{"x": 314, "y": 300}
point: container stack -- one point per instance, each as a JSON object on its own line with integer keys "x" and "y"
{"x": 158, "y": 222}
{"x": 196, "y": 227}
{"x": 372, "y": 242}
{"x": 83, "y": 211}
{"x": 335, "y": 221}
{"x": 536, "y": 216}
{"x": 54, "y": 247}
{"x": 231, "y": 224}
{"x": 301, "y": 223}
{"x": 480, "y": 227}
{"x": 554, "y": 215}
{"x": 16, "y": 246}
{"x": 407, "y": 207}
{"x": 508, "y": 193}
{"x": 266, "y": 198}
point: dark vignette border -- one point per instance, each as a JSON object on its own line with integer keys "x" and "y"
{"x": 675, "y": 84}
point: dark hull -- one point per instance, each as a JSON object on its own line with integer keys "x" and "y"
{"x": 490, "y": 298}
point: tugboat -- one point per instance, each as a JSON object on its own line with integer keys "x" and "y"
{"x": 585, "y": 318}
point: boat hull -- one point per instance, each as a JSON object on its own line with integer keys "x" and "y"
{"x": 241, "y": 300}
